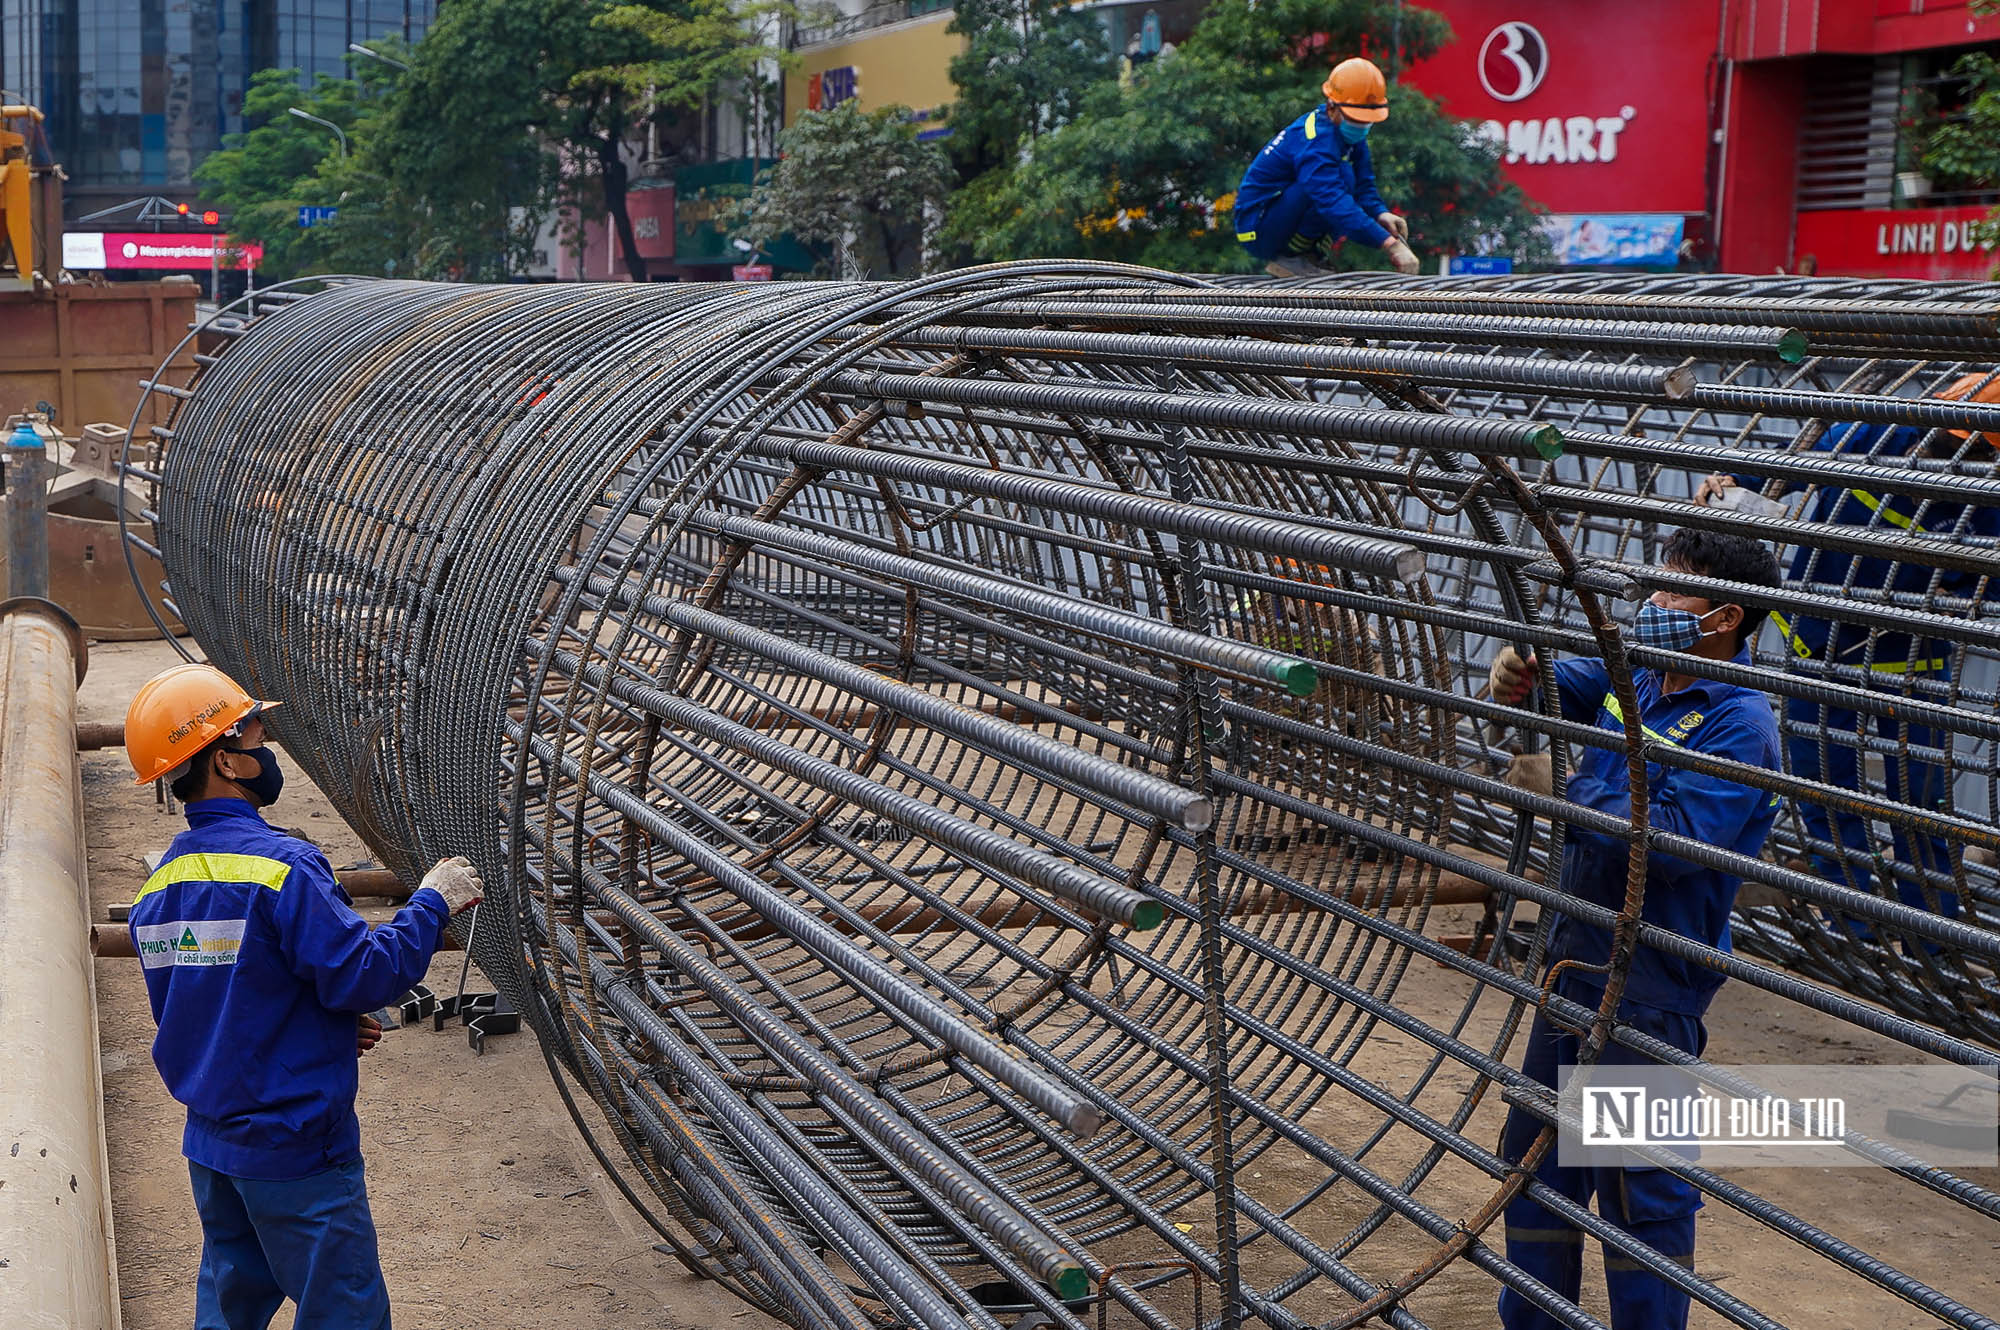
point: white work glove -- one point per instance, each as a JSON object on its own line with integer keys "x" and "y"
{"x": 1511, "y": 678}
{"x": 1395, "y": 224}
{"x": 457, "y": 881}
{"x": 1401, "y": 255}
{"x": 1533, "y": 772}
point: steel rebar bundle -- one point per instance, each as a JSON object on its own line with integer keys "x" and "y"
{"x": 988, "y": 783}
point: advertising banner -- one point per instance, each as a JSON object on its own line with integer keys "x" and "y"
{"x": 1894, "y": 242}
{"x": 115, "y": 250}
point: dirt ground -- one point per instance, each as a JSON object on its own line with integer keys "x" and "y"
{"x": 493, "y": 1214}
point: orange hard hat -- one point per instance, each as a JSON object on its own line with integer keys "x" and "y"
{"x": 180, "y": 711}
{"x": 1357, "y": 87}
{"x": 1982, "y": 386}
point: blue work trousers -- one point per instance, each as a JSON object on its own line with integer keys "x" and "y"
{"x": 1290, "y": 215}
{"x": 1651, "y": 1204}
{"x": 311, "y": 1240}
{"x": 1837, "y": 762}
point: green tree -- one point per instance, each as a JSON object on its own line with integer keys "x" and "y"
{"x": 263, "y": 176}
{"x": 1025, "y": 70}
{"x": 850, "y": 173}
{"x": 1146, "y": 172}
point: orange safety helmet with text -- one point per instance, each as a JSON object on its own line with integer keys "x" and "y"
{"x": 1983, "y": 387}
{"x": 180, "y": 711}
{"x": 1356, "y": 87}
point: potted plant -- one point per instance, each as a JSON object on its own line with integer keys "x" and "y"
{"x": 1916, "y": 118}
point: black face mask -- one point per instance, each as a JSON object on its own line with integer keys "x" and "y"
{"x": 269, "y": 781}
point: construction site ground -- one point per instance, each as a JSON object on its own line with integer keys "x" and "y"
{"x": 493, "y": 1215}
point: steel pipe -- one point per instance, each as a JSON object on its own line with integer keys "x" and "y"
{"x": 59, "y": 1267}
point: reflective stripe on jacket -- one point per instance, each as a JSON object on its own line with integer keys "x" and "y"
{"x": 256, "y": 966}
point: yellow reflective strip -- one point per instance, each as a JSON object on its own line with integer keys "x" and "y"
{"x": 252, "y": 868}
{"x": 1312, "y": 128}
{"x": 1246, "y": 235}
{"x": 1618, "y": 714}
{"x": 1875, "y": 505}
{"x": 1785, "y": 631}
{"x": 1910, "y": 667}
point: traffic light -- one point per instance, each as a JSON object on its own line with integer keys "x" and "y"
{"x": 181, "y": 208}
{"x": 211, "y": 218}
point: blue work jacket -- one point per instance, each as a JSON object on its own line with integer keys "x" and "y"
{"x": 1893, "y": 653}
{"x": 1708, "y": 717}
{"x": 1339, "y": 176}
{"x": 256, "y": 966}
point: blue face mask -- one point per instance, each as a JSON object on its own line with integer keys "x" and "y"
{"x": 269, "y": 781}
{"x": 1353, "y": 131}
{"x": 1666, "y": 629}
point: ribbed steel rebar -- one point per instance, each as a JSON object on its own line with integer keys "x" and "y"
{"x": 988, "y": 781}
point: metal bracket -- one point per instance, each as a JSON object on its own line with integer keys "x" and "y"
{"x": 483, "y": 1014}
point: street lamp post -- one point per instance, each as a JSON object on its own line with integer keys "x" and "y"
{"x": 337, "y": 133}
{"x": 373, "y": 54}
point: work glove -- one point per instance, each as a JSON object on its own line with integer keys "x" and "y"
{"x": 1532, "y": 772}
{"x": 368, "y": 1033}
{"x": 1511, "y": 679}
{"x": 457, "y": 881}
{"x": 1395, "y": 224}
{"x": 1711, "y": 488}
{"x": 1401, "y": 255}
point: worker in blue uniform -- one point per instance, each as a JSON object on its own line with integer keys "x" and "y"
{"x": 1665, "y": 995}
{"x": 259, "y": 972}
{"x": 1315, "y": 182}
{"x": 1826, "y": 743}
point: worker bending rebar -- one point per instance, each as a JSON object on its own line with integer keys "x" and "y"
{"x": 1665, "y": 995}
{"x": 260, "y": 974}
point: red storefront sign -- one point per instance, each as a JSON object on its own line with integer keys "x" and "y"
{"x": 751, "y": 272}
{"x": 1599, "y": 107}
{"x": 652, "y": 214}
{"x": 157, "y": 250}
{"x": 1888, "y": 242}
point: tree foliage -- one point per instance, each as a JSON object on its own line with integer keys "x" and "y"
{"x": 1146, "y": 172}
{"x": 848, "y": 172}
{"x": 510, "y": 110}
{"x": 1026, "y": 67}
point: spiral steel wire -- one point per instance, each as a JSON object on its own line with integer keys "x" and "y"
{"x": 975, "y": 777}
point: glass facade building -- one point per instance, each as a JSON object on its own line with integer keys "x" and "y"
{"x": 138, "y": 92}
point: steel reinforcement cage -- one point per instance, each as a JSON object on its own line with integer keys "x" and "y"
{"x": 989, "y": 782}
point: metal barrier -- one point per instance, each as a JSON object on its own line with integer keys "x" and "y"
{"x": 966, "y": 769}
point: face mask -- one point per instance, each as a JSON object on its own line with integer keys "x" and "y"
{"x": 1665, "y": 629}
{"x": 1353, "y": 131}
{"x": 269, "y": 781}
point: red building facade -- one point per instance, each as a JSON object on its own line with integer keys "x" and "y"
{"x": 1771, "y": 128}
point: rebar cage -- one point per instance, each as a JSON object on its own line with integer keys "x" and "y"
{"x": 989, "y": 783}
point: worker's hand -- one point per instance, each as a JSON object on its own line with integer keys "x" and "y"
{"x": 1533, "y": 772}
{"x": 1395, "y": 224}
{"x": 457, "y": 881}
{"x": 1401, "y": 255}
{"x": 1712, "y": 488}
{"x": 1511, "y": 678}
{"x": 368, "y": 1033}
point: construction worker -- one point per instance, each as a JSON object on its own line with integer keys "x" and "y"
{"x": 1314, "y": 183}
{"x": 259, "y": 970}
{"x": 1665, "y": 995}
{"x": 1826, "y": 743}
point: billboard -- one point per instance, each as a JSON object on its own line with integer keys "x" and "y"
{"x": 1596, "y": 108}
{"x": 116, "y": 250}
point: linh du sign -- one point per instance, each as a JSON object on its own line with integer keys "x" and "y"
{"x": 1894, "y": 242}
